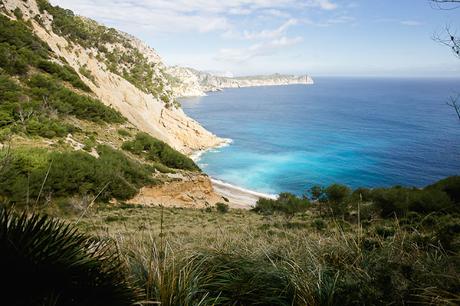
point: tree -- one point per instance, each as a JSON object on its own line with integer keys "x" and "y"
{"x": 336, "y": 195}
{"x": 317, "y": 195}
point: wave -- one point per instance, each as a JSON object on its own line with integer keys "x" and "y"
{"x": 242, "y": 191}
{"x": 196, "y": 156}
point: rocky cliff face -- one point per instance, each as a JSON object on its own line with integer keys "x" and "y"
{"x": 196, "y": 83}
{"x": 121, "y": 71}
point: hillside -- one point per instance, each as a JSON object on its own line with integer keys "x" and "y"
{"x": 88, "y": 112}
{"x": 120, "y": 70}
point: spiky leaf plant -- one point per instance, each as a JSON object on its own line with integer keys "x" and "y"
{"x": 43, "y": 261}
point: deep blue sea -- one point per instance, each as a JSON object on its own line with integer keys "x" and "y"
{"x": 360, "y": 132}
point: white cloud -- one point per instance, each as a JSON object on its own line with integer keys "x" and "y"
{"x": 411, "y": 23}
{"x": 239, "y": 55}
{"x": 326, "y": 4}
{"x": 264, "y": 34}
{"x": 183, "y": 15}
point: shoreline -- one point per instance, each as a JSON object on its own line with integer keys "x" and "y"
{"x": 238, "y": 197}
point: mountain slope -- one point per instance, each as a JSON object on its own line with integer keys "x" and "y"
{"x": 72, "y": 129}
{"x": 120, "y": 70}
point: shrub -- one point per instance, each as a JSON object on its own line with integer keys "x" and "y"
{"x": 55, "y": 265}
{"x": 319, "y": 224}
{"x": 68, "y": 102}
{"x": 158, "y": 151}
{"x": 222, "y": 208}
{"x": 399, "y": 201}
{"x": 426, "y": 201}
{"x": 362, "y": 194}
{"x": 391, "y": 201}
{"x": 18, "y": 13}
{"x": 385, "y": 231}
{"x": 450, "y": 185}
{"x": 113, "y": 175}
{"x": 336, "y": 195}
{"x": 19, "y": 46}
{"x": 287, "y": 204}
{"x": 64, "y": 73}
{"x": 124, "y": 133}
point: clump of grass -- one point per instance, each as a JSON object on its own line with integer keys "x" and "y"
{"x": 188, "y": 258}
{"x": 222, "y": 208}
{"x": 55, "y": 265}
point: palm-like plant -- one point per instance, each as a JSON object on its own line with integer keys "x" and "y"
{"x": 46, "y": 262}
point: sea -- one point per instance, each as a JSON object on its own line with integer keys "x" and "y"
{"x": 361, "y": 132}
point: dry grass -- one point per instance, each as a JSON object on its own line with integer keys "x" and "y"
{"x": 193, "y": 257}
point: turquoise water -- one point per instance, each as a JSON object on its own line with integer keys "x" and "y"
{"x": 360, "y": 132}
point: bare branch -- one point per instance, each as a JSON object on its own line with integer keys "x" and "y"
{"x": 445, "y": 4}
{"x": 454, "y": 102}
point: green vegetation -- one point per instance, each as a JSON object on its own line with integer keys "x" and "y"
{"x": 156, "y": 150}
{"x": 35, "y": 101}
{"x": 64, "y": 73}
{"x": 55, "y": 265}
{"x": 123, "y": 132}
{"x": 286, "y": 203}
{"x": 185, "y": 256}
{"x": 124, "y": 60}
{"x": 222, "y": 208}
{"x": 67, "y": 102}
{"x": 19, "y": 48}
{"x": 85, "y": 72}
{"x": 284, "y": 252}
{"x": 37, "y": 176}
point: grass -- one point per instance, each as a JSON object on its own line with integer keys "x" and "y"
{"x": 78, "y": 269}
{"x": 194, "y": 257}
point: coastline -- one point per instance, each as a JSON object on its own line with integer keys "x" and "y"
{"x": 238, "y": 197}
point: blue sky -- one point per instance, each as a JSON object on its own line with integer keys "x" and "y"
{"x": 318, "y": 37}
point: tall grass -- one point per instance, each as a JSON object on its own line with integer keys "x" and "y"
{"x": 346, "y": 265}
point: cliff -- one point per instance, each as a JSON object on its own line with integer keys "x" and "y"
{"x": 121, "y": 71}
{"x": 191, "y": 82}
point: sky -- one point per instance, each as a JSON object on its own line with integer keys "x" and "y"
{"x": 316, "y": 37}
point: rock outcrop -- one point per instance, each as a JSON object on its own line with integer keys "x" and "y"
{"x": 196, "y": 83}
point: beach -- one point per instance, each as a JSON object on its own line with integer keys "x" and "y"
{"x": 238, "y": 197}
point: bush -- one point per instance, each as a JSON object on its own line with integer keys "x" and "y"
{"x": 124, "y": 133}
{"x": 362, "y": 194}
{"x": 427, "y": 201}
{"x": 287, "y": 204}
{"x": 113, "y": 175}
{"x": 222, "y": 208}
{"x": 336, "y": 195}
{"x": 385, "y": 231}
{"x": 391, "y": 201}
{"x": 399, "y": 201}
{"x": 54, "y": 265}
{"x": 158, "y": 151}
{"x": 319, "y": 224}
{"x": 64, "y": 73}
{"x": 67, "y": 102}
{"x": 450, "y": 185}
{"x": 19, "y": 47}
